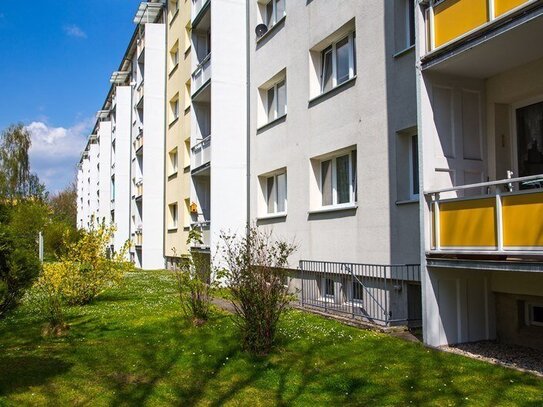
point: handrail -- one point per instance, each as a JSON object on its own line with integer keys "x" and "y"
{"x": 201, "y": 143}
{"x": 486, "y": 184}
{"x": 200, "y": 66}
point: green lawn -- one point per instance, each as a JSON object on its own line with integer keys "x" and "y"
{"x": 132, "y": 347}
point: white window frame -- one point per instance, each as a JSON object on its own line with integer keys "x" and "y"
{"x": 325, "y": 297}
{"x": 352, "y": 182}
{"x": 274, "y": 18}
{"x": 412, "y": 153}
{"x": 353, "y": 299}
{"x": 530, "y": 314}
{"x": 274, "y": 210}
{"x": 174, "y": 55}
{"x": 174, "y": 220}
{"x": 333, "y": 49}
{"x": 275, "y": 107}
{"x": 174, "y": 105}
{"x": 174, "y": 161}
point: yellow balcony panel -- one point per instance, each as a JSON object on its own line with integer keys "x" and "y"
{"x": 523, "y": 220}
{"x": 503, "y": 6}
{"x": 468, "y": 223}
{"x": 454, "y": 18}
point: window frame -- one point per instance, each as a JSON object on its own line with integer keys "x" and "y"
{"x": 357, "y": 284}
{"x": 174, "y": 220}
{"x": 274, "y": 18}
{"x": 174, "y": 109}
{"x": 275, "y": 210}
{"x": 332, "y": 48}
{"x": 410, "y": 28}
{"x": 353, "y": 180}
{"x": 412, "y": 154}
{"x": 530, "y": 314}
{"x": 275, "y": 116}
{"x": 325, "y": 294}
{"x": 174, "y": 153}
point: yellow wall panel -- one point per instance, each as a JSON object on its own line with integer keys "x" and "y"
{"x": 452, "y": 18}
{"x": 469, "y": 223}
{"x": 523, "y": 220}
{"x": 503, "y": 6}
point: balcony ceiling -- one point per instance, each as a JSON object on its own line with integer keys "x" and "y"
{"x": 147, "y": 12}
{"x": 494, "y": 52}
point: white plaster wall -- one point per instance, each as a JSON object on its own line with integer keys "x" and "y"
{"x": 228, "y": 118}
{"x": 153, "y": 147}
{"x": 104, "y": 139}
{"x": 94, "y": 183}
{"x": 123, "y": 191}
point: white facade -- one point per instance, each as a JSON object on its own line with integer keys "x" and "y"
{"x": 104, "y": 143}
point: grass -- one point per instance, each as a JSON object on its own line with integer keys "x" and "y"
{"x": 132, "y": 347}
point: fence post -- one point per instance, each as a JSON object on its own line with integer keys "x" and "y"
{"x": 352, "y": 289}
{"x": 40, "y": 246}
{"x": 302, "y": 277}
{"x": 386, "y": 295}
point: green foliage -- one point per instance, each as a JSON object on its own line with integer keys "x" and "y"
{"x": 193, "y": 278}
{"x": 91, "y": 265}
{"x": 256, "y": 274}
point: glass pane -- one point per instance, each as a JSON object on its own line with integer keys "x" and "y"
{"x": 411, "y": 22}
{"x": 279, "y": 9}
{"x": 530, "y": 140}
{"x": 342, "y": 60}
{"x": 342, "y": 179}
{"x": 326, "y": 182}
{"x": 271, "y": 104}
{"x": 354, "y": 176}
{"x": 538, "y": 314}
{"x": 357, "y": 291}
{"x": 269, "y": 14}
{"x": 329, "y": 287}
{"x": 282, "y": 192}
{"x": 281, "y": 98}
{"x": 327, "y": 70}
{"x": 270, "y": 191}
{"x": 415, "y": 165}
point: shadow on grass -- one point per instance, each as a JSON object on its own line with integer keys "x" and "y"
{"x": 18, "y": 373}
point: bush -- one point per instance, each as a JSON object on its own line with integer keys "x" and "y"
{"x": 92, "y": 266}
{"x": 19, "y": 262}
{"x": 47, "y": 296}
{"x": 193, "y": 279}
{"x": 256, "y": 273}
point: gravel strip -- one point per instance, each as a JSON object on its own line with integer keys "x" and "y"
{"x": 513, "y": 356}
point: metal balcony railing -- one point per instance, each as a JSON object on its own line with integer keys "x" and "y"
{"x": 197, "y": 6}
{"x": 201, "y": 153}
{"x": 204, "y": 228}
{"x": 506, "y": 217}
{"x": 202, "y": 74}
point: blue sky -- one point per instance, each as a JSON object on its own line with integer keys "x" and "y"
{"x": 56, "y": 58}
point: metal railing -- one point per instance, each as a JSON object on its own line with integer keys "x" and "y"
{"x": 204, "y": 228}
{"x": 197, "y": 6}
{"x": 201, "y": 153}
{"x": 377, "y": 294}
{"x": 201, "y": 74}
{"x": 502, "y": 217}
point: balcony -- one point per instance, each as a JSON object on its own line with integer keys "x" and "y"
{"x": 506, "y": 220}
{"x": 139, "y": 95}
{"x": 204, "y": 228}
{"x": 139, "y": 189}
{"x": 138, "y": 143}
{"x": 201, "y": 155}
{"x": 201, "y": 75}
{"x": 138, "y": 237}
{"x": 480, "y": 38}
{"x": 199, "y": 8}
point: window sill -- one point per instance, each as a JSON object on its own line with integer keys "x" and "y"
{"x": 338, "y": 88}
{"x": 333, "y": 208}
{"x": 172, "y": 229}
{"x": 272, "y": 123}
{"x": 172, "y": 175}
{"x": 272, "y": 216}
{"x": 172, "y": 71}
{"x": 408, "y": 201}
{"x": 174, "y": 17}
{"x": 272, "y": 29}
{"x": 404, "y": 51}
{"x": 187, "y": 109}
{"x": 186, "y": 169}
{"x": 173, "y": 122}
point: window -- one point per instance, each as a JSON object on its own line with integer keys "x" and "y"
{"x": 174, "y": 4}
{"x": 275, "y": 11}
{"x": 173, "y": 216}
{"x": 358, "y": 291}
{"x": 338, "y": 63}
{"x": 338, "y": 180}
{"x": 414, "y": 167}
{"x": 410, "y": 23}
{"x": 173, "y": 161}
{"x": 329, "y": 288}
{"x": 174, "y": 108}
{"x": 535, "y": 314}
{"x": 276, "y": 101}
{"x": 174, "y": 56}
{"x": 188, "y": 35}
{"x": 276, "y": 193}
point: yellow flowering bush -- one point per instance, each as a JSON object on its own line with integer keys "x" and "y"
{"x": 47, "y": 295}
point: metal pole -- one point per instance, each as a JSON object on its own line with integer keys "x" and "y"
{"x": 40, "y": 246}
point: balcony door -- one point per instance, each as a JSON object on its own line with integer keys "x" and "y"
{"x": 529, "y": 144}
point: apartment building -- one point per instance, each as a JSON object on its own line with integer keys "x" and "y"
{"x": 218, "y": 114}
{"x": 333, "y": 157}
{"x": 481, "y": 152}
{"x": 178, "y": 130}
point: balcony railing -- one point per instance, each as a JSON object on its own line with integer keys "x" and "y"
{"x": 197, "y": 6}
{"x": 138, "y": 143}
{"x": 507, "y": 219}
{"x": 449, "y": 20}
{"x": 201, "y": 153}
{"x": 139, "y": 94}
{"x": 201, "y": 74}
{"x": 139, "y": 188}
{"x": 138, "y": 237}
{"x": 204, "y": 228}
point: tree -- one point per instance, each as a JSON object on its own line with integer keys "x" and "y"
{"x": 64, "y": 205}
{"x": 16, "y": 179}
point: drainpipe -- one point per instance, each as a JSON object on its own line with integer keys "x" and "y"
{"x": 248, "y": 112}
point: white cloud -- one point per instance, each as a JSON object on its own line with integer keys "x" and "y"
{"x": 55, "y": 151}
{"x": 73, "y": 30}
